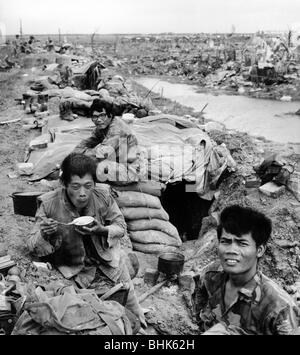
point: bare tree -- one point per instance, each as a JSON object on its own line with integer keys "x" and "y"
{"x": 116, "y": 44}
{"x": 93, "y": 39}
{"x": 21, "y": 29}
{"x": 289, "y": 38}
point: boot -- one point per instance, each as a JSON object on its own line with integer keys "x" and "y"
{"x": 43, "y": 100}
{"x": 65, "y": 110}
{"x": 27, "y": 98}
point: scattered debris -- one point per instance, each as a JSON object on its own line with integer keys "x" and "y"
{"x": 286, "y": 98}
{"x": 272, "y": 190}
{"x": 5, "y": 263}
{"x": 252, "y": 182}
{"x": 40, "y": 265}
{"x": 151, "y": 291}
{"x": 25, "y": 168}
{"x": 151, "y": 276}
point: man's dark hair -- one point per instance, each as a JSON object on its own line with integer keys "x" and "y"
{"x": 240, "y": 220}
{"x": 77, "y": 164}
{"x": 110, "y": 108}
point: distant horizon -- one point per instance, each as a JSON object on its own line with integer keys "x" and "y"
{"x": 143, "y": 34}
{"x": 147, "y": 17}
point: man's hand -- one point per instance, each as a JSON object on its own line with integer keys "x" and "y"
{"x": 98, "y": 229}
{"x": 48, "y": 226}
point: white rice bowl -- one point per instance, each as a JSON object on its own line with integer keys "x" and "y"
{"x": 83, "y": 221}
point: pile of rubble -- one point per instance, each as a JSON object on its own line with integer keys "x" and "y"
{"x": 259, "y": 65}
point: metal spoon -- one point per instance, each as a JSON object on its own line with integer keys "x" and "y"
{"x": 65, "y": 224}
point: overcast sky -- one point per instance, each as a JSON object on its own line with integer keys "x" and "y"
{"x": 147, "y": 16}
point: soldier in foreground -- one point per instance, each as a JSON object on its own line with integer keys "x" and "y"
{"x": 236, "y": 298}
{"x": 84, "y": 254}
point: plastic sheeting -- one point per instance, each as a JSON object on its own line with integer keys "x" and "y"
{"x": 169, "y": 153}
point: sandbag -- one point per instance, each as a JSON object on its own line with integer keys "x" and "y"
{"x": 154, "y": 237}
{"x": 137, "y": 199}
{"x": 154, "y": 224}
{"x": 153, "y": 248}
{"x": 153, "y": 188}
{"x": 132, "y": 213}
{"x": 117, "y": 173}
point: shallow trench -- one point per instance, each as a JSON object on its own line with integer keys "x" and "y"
{"x": 185, "y": 209}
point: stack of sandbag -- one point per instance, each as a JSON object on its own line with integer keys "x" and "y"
{"x": 148, "y": 223}
{"x": 153, "y": 188}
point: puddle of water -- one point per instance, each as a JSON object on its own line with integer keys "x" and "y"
{"x": 267, "y": 118}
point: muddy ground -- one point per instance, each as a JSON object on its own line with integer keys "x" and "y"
{"x": 167, "y": 311}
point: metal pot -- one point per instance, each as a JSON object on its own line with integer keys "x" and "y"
{"x": 25, "y": 203}
{"x": 170, "y": 263}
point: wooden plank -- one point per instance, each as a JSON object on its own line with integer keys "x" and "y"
{"x": 151, "y": 291}
{"x": 5, "y": 258}
{"x": 7, "y": 265}
{"x": 10, "y": 121}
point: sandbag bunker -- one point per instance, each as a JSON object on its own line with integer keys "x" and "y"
{"x": 148, "y": 223}
{"x": 164, "y": 169}
{"x": 165, "y": 204}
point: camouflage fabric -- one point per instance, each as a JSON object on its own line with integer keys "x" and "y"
{"x": 261, "y": 308}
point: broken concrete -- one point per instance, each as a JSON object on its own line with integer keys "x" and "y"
{"x": 271, "y": 189}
